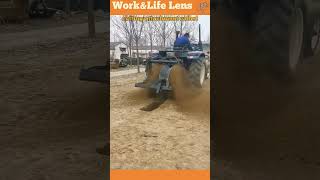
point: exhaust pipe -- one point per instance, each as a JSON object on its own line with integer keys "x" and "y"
{"x": 200, "y": 43}
{"x": 177, "y": 34}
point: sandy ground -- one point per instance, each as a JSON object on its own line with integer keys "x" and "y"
{"x": 50, "y": 122}
{"x": 47, "y": 36}
{"x": 126, "y": 71}
{"x": 266, "y": 128}
{"x": 170, "y": 137}
{"x": 47, "y": 23}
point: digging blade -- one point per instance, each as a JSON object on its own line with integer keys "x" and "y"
{"x": 156, "y": 103}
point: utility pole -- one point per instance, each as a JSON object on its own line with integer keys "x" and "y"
{"x": 91, "y": 19}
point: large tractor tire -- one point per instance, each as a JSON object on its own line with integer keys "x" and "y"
{"x": 207, "y": 68}
{"x": 279, "y": 28}
{"x": 312, "y": 37}
{"x": 197, "y": 73}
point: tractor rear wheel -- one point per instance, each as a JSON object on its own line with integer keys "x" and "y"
{"x": 207, "y": 67}
{"x": 197, "y": 73}
{"x": 279, "y": 36}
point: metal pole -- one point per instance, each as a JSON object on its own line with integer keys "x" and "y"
{"x": 200, "y": 42}
{"x": 91, "y": 19}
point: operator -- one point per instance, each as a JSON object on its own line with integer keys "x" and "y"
{"x": 183, "y": 41}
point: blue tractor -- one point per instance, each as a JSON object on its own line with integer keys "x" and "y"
{"x": 285, "y": 33}
{"x": 192, "y": 58}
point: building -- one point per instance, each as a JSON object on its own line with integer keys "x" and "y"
{"x": 145, "y": 51}
{"x": 117, "y": 49}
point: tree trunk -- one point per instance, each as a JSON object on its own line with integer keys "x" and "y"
{"x": 68, "y": 8}
{"x": 130, "y": 52}
{"x": 164, "y": 35}
{"x": 151, "y": 42}
{"x": 138, "y": 62}
{"x": 91, "y": 19}
{"x": 181, "y": 28}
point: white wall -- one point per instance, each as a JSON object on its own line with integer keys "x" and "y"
{"x": 142, "y": 53}
{"x": 115, "y": 54}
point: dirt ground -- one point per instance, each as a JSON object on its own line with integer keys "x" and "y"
{"x": 174, "y": 136}
{"x": 50, "y": 122}
{"x": 266, "y": 128}
{"x": 44, "y": 23}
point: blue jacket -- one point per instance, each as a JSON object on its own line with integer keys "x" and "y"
{"x": 182, "y": 41}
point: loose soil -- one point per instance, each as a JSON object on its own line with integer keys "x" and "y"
{"x": 50, "y": 122}
{"x": 174, "y": 136}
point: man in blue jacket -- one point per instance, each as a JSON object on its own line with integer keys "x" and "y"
{"x": 183, "y": 41}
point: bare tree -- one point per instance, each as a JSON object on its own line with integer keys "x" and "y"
{"x": 91, "y": 19}
{"x": 124, "y": 31}
{"x": 68, "y": 7}
{"x": 150, "y": 33}
{"x": 138, "y": 28}
{"x": 164, "y": 31}
{"x": 186, "y": 27}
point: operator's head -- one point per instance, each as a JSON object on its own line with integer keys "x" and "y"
{"x": 187, "y": 35}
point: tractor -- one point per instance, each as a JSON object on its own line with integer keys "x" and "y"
{"x": 286, "y": 32}
{"x": 193, "y": 59}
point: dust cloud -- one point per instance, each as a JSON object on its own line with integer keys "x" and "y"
{"x": 187, "y": 97}
{"x": 153, "y": 72}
